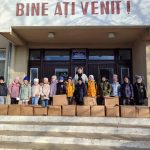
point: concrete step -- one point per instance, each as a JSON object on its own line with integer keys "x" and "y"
{"x": 79, "y": 131}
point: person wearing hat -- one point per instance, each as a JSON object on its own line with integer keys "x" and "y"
{"x": 45, "y": 92}
{"x": 61, "y": 88}
{"x": 25, "y": 91}
{"x": 35, "y": 92}
{"x": 127, "y": 94}
{"x": 103, "y": 90}
{"x": 80, "y": 92}
{"x": 3, "y": 90}
{"x": 14, "y": 90}
{"x": 91, "y": 87}
{"x": 70, "y": 90}
{"x": 140, "y": 93}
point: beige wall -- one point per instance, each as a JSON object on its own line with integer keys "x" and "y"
{"x": 19, "y": 62}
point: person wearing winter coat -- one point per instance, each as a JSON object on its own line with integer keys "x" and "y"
{"x": 127, "y": 95}
{"x": 25, "y": 91}
{"x": 61, "y": 88}
{"x": 80, "y": 92}
{"x": 3, "y": 90}
{"x": 45, "y": 91}
{"x": 115, "y": 87}
{"x": 35, "y": 92}
{"x": 103, "y": 90}
{"x": 70, "y": 88}
{"x": 14, "y": 90}
{"x": 53, "y": 88}
{"x": 140, "y": 93}
{"x": 91, "y": 87}
{"x": 80, "y": 75}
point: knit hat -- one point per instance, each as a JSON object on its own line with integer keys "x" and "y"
{"x": 26, "y": 78}
{"x": 138, "y": 77}
{"x": 17, "y": 78}
{"x": 70, "y": 78}
{"x": 91, "y": 77}
{"x": 1, "y": 78}
{"x": 61, "y": 78}
{"x": 36, "y": 80}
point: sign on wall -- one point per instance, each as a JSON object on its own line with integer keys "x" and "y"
{"x": 74, "y": 13}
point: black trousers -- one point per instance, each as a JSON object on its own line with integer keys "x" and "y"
{"x": 14, "y": 101}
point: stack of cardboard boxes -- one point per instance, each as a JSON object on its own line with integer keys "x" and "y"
{"x": 60, "y": 107}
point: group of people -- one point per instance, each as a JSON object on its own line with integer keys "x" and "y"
{"x": 75, "y": 88}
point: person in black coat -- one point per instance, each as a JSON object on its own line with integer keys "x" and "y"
{"x": 80, "y": 92}
{"x": 3, "y": 90}
{"x": 140, "y": 94}
{"x": 127, "y": 94}
{"x": 61, "y": 88}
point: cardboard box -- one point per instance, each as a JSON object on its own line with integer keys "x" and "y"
{"x": 90, "y": 101}
{"x": 54, "y": 111}
{"x": 14, "y": 110}
{"x": 83, "y": 111}
{"x": 26, "y": 110}
{"x": 3, "y": 109}
{"x": 40, "y": 111}
{"x": 111, "y": 101}
{"x": 143, "y": 112}
{"x": 128, "y": 111}
{"x": 60, "y": 100}
{"x": 98, "y": 111}
{"x": 112, "y": 111}
{"x": 69, "y": 110}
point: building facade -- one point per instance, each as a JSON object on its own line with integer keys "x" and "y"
{"x": 104, "y": 36}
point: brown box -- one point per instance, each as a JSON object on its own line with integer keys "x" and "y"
{"x": 69, "y": 110}
{"x": 90, "y": 101}
{"x": 128, "y": 111}
{"x": 14, "y": 110}
{"x": 3, "y": 109}
{"x": 98, "y": 111}
{"x": 60, "y": 100}
{"x": 143, "y": 112}
{"x": 112, "y": 111}
{"x": 111, "y": 101}
{"x": 83, "y": 111}
{"x": 26, "y": 110}
{"x": 40, "y": 111}
{"x": 54, "y": 111}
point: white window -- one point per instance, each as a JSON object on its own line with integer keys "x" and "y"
{"x": 33, "y": 74}
{"x": 2, "y": 62}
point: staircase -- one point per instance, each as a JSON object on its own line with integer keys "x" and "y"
{"x": 74, "y": 133}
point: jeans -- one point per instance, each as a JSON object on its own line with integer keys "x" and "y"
{"x": 45, "y": 103}
{"x": 2, "y": 100}
{"x": 35, "y": 100}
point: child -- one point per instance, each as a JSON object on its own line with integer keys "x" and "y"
{"x": 127, "y": 92}
{"x": 70, "y": 90}
{"x": 91, "y": 88}
{"x": 45, "y": 91}
{"x": 104, "y": 89}
{"x": 61, "y": 88}
{"x": 35, "y": 92}
{"x": 53, "y": 88}
{"x": 3, "y": 90}
{"x": 14, "y": 89}
{"x": 25, "y": 91}
{"x": 80, "y": 92}
{"x": 140, "y": 93}
{"x": 115, "y": 86}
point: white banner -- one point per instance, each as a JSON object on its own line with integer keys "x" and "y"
{"x": 74, "y": 13}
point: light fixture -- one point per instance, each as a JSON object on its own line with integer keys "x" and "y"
{"x": 111, "y": 35}
{"x": 51, "y": 35}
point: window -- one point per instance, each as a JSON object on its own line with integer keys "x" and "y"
{"x": 101, "y": 55}
{"x": 33, "y": 74}
{"x": 79, "y": 54}
{"x": 35, "y": 55}
{"x": 61, "y": 72}
{"x": 2, "y": 61}
{"x": 124, "y": 72}
{"x": 124, "y": 54}
{"x": 53, "y": 55}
